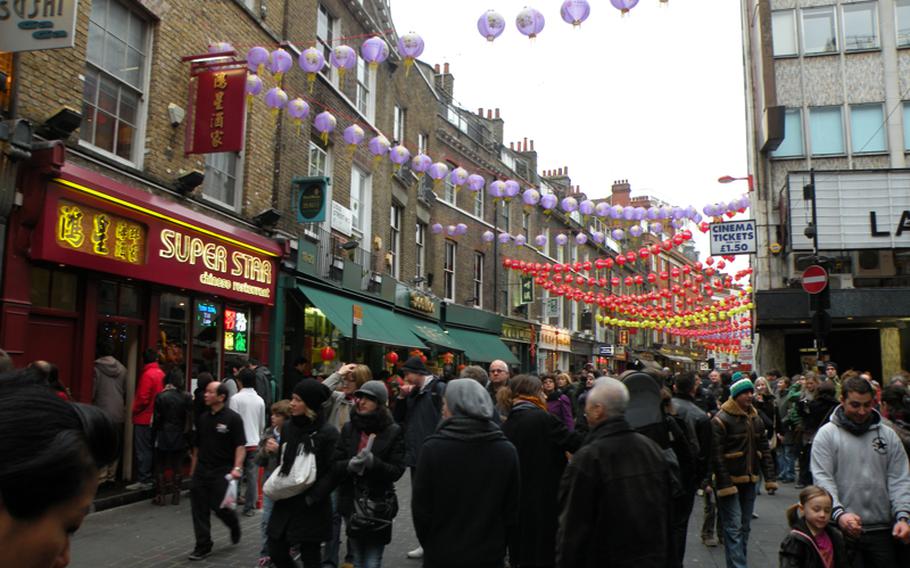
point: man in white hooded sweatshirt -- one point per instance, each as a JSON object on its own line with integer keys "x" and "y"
{"x": 862, "y": 463}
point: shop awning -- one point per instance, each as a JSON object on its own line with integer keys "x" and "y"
{"x": 679, "y": 359}
{"x": 379, "y": 324}
{"x": 483, "y": 347}
{"x": 430, "y": 332}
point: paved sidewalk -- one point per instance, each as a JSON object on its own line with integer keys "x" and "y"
{"x": 145, "y": 536}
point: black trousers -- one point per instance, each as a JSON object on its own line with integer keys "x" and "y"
{"x": 279, "y": 551}
{"x": 206, "y": 494}
{"x": 682, "y": 510}
{"x": 877, "y": 549}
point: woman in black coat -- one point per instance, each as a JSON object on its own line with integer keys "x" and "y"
{"x": 374, "y": 469}
{"x": 305, "y": 520}
{"x": 542, "y": 441}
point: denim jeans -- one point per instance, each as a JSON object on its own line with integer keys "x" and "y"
{"x": 144, "y": 452}
{"x": 267, "y": 505}
{"x": 786, "y": 462}
{"x": 251, "y": 477}
{"x": 366, "y": 554}
{"x": 332, "y": 548}
{"x": 735, "y": 518}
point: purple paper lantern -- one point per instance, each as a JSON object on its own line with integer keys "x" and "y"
{"x": 399, "y": 156}
{"x": 410, "y": 45}
{"x": 656, "y": 227}
{"x": 436, "y": 228}
{"x": 581, "y": 238}
{"x": 256, "y": 58}
{"x": 458, "y": 177}
{"x": 652, "y": 213}
{"x": 325, "y": 124}
{"x": 530, "y": 197}
{"x": 602, "y": 209}
{"x": 438, "y": 172}
{"x": 311, "y": 62}
{"x": 628, "y": 213}
{"x": 353, "y": 135}
{"x": 616, "y": 212}
{"x": 561, "y": 239}
{"x": 343, "y": 57}
{"x": 540, "y": 240}
{"x": 624, "y": 5}
{"x": 548, "y": 202}
{"x": 253, "y": 88}
{"x": 586, "y": 207}
{"x": 280, "y": 61}
{"x": 420, "y": 164}
{"x": 374, "y": 51}
{"x": 597, "y": 237}
{"x": 496, "y": 188}
{"x": 635, "y": 231}
{"x": 575, "y": 11}
{"x": 220, "y": 47}
{"x": 276, "y": 99}
{"x": 504, "y": 238}
{"x": 451, "y": 230}
{"x": 461, "y": 229}
{"x": 569, "y": 204}
{"x": 530, "y": 22}
{"x": 511, "y": 189}
{"x": 491, "y": 24}
{"x": 521, "y": 240}
{"x": 298, "y": 110}
{"x": 618, "y": 234}
{"x": 488, "y": 236}
{"x": 379, "y": 147}
{"x": 476, "y": 182}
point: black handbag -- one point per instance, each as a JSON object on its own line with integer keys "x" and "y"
{"x": 370, "y": 513}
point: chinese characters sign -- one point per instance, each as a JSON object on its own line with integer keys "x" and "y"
{"x": 236, "y": 331}
{"x": 217, "y": 124}
{"x": 100, "y": 233}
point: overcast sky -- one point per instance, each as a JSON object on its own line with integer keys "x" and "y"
{"x": 655, "y": 97}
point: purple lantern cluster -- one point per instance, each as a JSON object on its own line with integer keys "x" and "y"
{"x": 738, "y": 205}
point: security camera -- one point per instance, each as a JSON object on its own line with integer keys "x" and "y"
{"x": 175, "y": 114}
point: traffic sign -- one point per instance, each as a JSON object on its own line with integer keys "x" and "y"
{"x": 358, "y": 314}
{"x": 815, "y": 279}
{"x": 734, "y": 237}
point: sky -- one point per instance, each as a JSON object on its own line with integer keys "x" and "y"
{"x": 655, "y": 97}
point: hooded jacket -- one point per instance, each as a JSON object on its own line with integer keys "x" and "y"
{"x": 740, "y": 448}
{"x": 864, "y": 467}
{"x": 109, "y": 388}
{"x": 419, "y": 414}
{"x": 151, "y": 382}
{"x": 798, "y": 550}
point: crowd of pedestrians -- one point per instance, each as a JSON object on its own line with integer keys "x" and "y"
{"x": 524, "y": 470}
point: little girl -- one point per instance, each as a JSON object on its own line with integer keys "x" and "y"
{"x": 812, "y": 542}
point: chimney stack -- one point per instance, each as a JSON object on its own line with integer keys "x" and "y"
{"x": 489, "y": 114}
{"x": 497, "y": 114}
{"x": 446, "y": 69}
{"x": 511, "y": 145}
{"x": 567, "y": 170}
{"x": 480, "y": 112}
{"x": 532, "y": 145}
{"x": 436, "y": 68}
{"x": 621, "y": 192}
{"x": 525, "y": 147}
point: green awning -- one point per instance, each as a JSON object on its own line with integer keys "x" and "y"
{"x": 379, "y": 324}
{"x": 430, "y": 332}
{"x": 483, "y": 347}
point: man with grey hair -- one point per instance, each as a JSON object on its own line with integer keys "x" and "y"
{"x": 477, "y": 373}
{"x": 499, "y": 376}
{"x": 630, "y": 523}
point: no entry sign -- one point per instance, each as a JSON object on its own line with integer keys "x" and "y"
{"x": 815, "y": 279}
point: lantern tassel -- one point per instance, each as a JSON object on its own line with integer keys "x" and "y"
{"x": 408, "y": 63}
{"x": 341, "y": 71}
{"x": 325, "y": 138}
{"x": 298, "y": 122}
{"x": 260, "y": 68}
{"x": 249, "y": 103}
{"x": 274, "y": 112}
{"x": 310, "y": 81}
{"x": 278, "y": 78}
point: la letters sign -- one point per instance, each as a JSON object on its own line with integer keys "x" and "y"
{"x": 734, "y": 237}
{"x": 33, "y": 25}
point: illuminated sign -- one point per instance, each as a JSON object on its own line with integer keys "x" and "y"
{"x": 99, "y": 233}
{"x": 217, "y": 125}
{"x": 236, "y": 331}
{"x": 206, "y": 315}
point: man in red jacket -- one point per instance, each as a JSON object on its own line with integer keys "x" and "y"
{"x": 151, "y": 382}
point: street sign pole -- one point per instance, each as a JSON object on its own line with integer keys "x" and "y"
{"x": 356, "y": 321}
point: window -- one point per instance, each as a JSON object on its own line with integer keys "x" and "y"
{"x": 422, "y": 142}
{"x": 319, "y": 161}
{"x": 360, "y": 200}
{"x": 793, "y": 135}
{"x": 448, "y": 195}
{"x": 826, "y": 131}
{"x": 221, "y": 179}
{"x": 398, "y": 124}
{"x": 420, "y": 241}
{"x": 454, "y": 117}
{"x": 867, "y": 129}
{"x": 902, "y": 7}
{"x": 364, "y": 96}
{"x": 395, "y": 215}
{"x": 449, "y": 270}
{"x": 507, "y": 159}
{"x": 783, "y": 28}
{"x": 526, "y": 225}
{"x": 907, "y": 126}
{"x": 326, "y": 30}
{"x": 819, "y": 30}
{"x": 546, "y": 245}
{"x": 113, "y": 90}
{"x": 478, "y": 280}
{"x": 860, "y": 26}
{"x": 504, "y": 218}
{"x": 478, "y": 204}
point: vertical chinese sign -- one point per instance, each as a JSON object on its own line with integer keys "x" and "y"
{"x": 217, "y": 123}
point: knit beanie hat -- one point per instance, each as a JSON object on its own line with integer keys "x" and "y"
{"x": 737, "y": 376}
{"x": 466, "y": 397}
{"x": 313, "y": 393}
{"x": 375, "y": 390}
{"x": 415, "y": 365}
{"x": 741, "y": 386}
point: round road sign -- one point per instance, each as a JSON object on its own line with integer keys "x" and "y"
{"x": 815, "y": 279}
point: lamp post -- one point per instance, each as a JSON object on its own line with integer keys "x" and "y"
{"x": 731, "y": 179}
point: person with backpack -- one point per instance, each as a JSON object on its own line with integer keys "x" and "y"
{"x": 265, "y": 385}
{"x": 418, "y": 410}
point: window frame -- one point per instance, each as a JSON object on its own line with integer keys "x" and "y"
{"x": 396, "y": 213}
{"x": 420, "y": 244}
{"x": 362, "y": 219}
{"x": 137, "y": 148}
{"x": 479, "y": 259}
{"x": 238, "y": 182}
{"x": 333, "y": 28}
{"x": 478, "y": 204}
{"x": 843, "y": 150}
{"x": 449, "y": 266}
{"x": 880, "y": 131}
{"x": 898, "y": 4}
{"x": 876, "y": 26}
{"x": 795, "y": 31}
{"x": 423, "y": 142}
{"x": 802, "y": 135}
{"x": 526, "y": 225}
{"x": 834, "y": 30}
{"x": 399, "y": 118}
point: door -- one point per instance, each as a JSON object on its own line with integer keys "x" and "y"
{"x": 125, "y": 338}
{"x": 53, "y": 339}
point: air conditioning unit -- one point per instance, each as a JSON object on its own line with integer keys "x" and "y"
{"x": 873, "y": 264}
{"x": 841, "y": 281}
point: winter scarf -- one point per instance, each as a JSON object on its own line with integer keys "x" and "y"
{"x": 469, "y": 429}
{"x": 302, "y": 430}
{"x": 535, "y": 400}
{"x": 371, "y": 422}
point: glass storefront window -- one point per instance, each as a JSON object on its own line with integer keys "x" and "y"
{"x": 173, "y": 317}
{"x": 206, "y": 338}
{"x": 53, "y": 289}
{"x": 116, "y": 299}
{"x": 236, "y": 331}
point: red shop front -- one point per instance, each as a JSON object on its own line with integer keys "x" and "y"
{"x": 90, "y": 258}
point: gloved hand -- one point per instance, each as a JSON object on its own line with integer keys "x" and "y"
{"x": 360, "y": 462}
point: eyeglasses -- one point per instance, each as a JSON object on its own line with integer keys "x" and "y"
{"x": 498, "y": 371}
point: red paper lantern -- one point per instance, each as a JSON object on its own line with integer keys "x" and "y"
{"x": 327, "y": 354}
{"x": 620, "y": 260}
{"x": 391, "y": 357}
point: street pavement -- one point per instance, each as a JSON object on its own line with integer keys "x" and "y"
{"x": 146, "y": 536}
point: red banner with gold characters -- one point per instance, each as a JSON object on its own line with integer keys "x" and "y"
{"x": 218, "y": 112}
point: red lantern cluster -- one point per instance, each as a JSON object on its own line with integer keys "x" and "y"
{"x": 327, "y": 354}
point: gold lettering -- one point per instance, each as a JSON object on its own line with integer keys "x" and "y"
{"x": 217, "y": 137}
{"x": 220, "y": 80}
{"x": 167, "y": 243}
{"x": 102, "y": 224}
{"x": 69, "y": 226}
{"x": 218, "y": 120}
{"x": 219, "y": 100}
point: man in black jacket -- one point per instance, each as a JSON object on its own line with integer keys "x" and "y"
{"x": 419, "y": 410}
{"x": 629, "y": 524}
{"x": 466, "y": 491}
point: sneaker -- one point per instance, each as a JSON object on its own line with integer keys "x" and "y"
{"x": 754, "y": 515}
{"x": 264, "y": 561}
{"x": 198, "y": 555}
{"x": 235, "y": 534}
{"x": 249, "y": 513}
{"x": 710, "y": 542}
{"x": 139, "y": 486}
{"x": 295, "y": 553}
{"x": 416, "y": 554}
